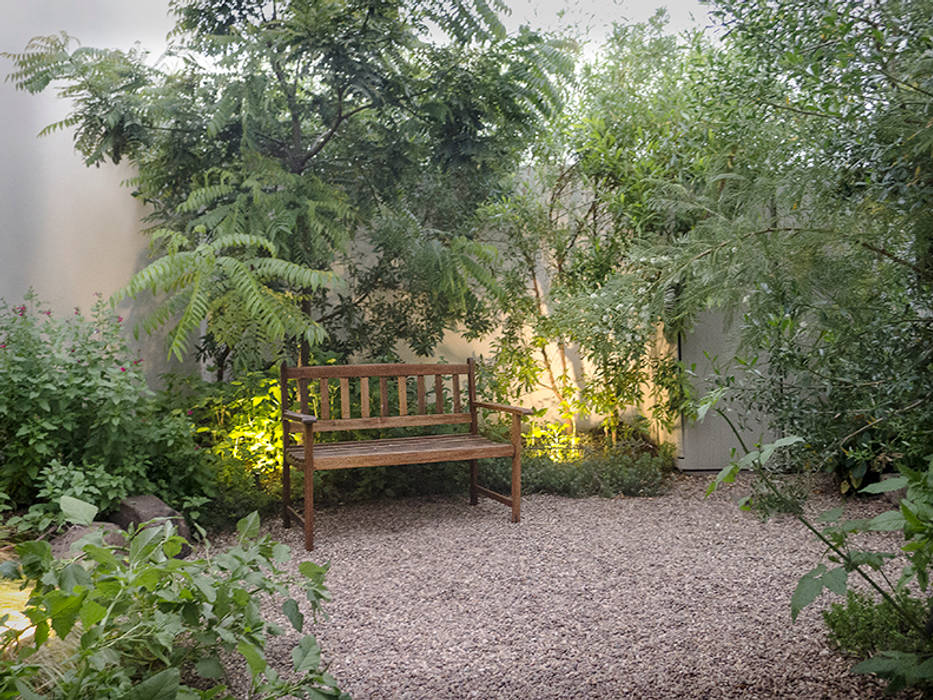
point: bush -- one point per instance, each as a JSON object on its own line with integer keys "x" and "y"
{"x": 76, "y": 418}
{"x": 632, "y": 467}
{"x": 130, "y": 621}
{"x": 862, "y": 626}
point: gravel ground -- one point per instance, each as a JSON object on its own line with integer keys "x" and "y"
{"x": 669, "y": 597}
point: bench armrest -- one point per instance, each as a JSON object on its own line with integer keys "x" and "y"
{"x": 503, "y": 407}
{"x": 301, "y": 417}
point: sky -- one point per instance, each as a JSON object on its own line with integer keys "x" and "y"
{"x": 597, "y": 16}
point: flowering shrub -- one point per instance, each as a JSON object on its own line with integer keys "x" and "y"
{"x": 77, "y": 418}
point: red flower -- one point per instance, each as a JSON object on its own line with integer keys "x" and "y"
{"x": 123, "y": 369}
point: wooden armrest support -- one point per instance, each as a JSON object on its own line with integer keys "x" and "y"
{"x": 503, "y": 407}
{"x": 302, "y": 417}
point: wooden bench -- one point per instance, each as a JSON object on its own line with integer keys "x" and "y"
{"x": 436, "y": 400}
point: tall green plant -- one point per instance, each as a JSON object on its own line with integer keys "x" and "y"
{"x": 128, "y": 620}
{"x": 275, "y": 132}
{"x": 76, "y": 417}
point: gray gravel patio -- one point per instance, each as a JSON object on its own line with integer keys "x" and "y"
{"x": 675, "y": 596}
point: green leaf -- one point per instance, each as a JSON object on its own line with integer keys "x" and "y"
{"x": 253, "y": 656}
{"x": 290, "y": 608}
{"x": 77, "y": 511}
{"x": 307, "y": 655}
{"x": 248, "y": 527}
{"x": 771, "y": 447}
{"x": 808, "y": 588}
{"x": 25, "y": 692}
{"x": 886, "y": 485}
{"x": 835, "y": 580}
{"x": 209, "y": 667}
{"x": 162, "y": 686}
{"x": 831, "y": 515}
{"x": 91, "y": 613}
{"x": 888, "y": 521}
{"x": 725, "y": 476}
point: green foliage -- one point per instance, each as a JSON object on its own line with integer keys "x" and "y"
{"x": 130, "y": 621}
{"x": 633, "y": 466}
{"x": 77, "y": 419}
{"x": 862, "y": 626}
{"x": 282, "y": 131}
{"x": 567, "y": 228}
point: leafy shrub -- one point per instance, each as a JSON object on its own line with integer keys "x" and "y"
{"x": 132, "y": 622}
{"x": 76, "y": 418}
{"x": 632, "y": 467}
{"x": 863, "y": 626}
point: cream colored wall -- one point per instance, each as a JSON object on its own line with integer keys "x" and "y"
{"x": 67, "y": 230}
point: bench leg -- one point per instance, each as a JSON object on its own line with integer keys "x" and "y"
{"x": 516, "y": 469}
{"x": 286, "y": 493}
{"x": 309, "y": 509}
{"x": 474, "y": 495}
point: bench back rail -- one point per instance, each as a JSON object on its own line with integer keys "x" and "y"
{"x": 383, "y": 396}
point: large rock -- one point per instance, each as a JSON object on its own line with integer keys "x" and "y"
{"x": 135, "y": 510}
{"x": 62, "y": 546}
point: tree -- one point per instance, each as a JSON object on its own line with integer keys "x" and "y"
{"x": 635, "y": 131}
{"x": 275, "y": 133}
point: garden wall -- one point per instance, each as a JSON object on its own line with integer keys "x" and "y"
{"x": 66, "y": 230}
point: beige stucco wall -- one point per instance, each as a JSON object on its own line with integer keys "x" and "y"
{"x": 66, "y": 230}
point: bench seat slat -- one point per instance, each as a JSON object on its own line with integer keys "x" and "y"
{"x": 417, "y": 450}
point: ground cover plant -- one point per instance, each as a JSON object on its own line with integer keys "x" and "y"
{"x": 128, "y": 620}
{"x": 77, "y": 419}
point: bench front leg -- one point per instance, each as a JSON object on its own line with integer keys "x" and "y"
{"x": 516, "y": 467}
{"x": 309, "y": 484}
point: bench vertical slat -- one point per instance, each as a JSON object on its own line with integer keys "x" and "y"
{"x": 456, "y": 392}
{"x": 364, "y": 397}
{"x": 286, "y": 440}
{"x": 325, "y": 400}
{"x": 422, "y": 408}
{"x": 383, "y": 396}
{"x": 344, "y": 398}
{"x": 438, "y": 393}
{"x": 403, "y": 396}
{"x": 303, "y": 395}
{"x": 471, "y": 392}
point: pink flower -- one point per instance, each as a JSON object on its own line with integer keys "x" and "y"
{"x": 3, "y": 347}
{"x": 47, "y": 313}
{"x": 190, "y": 411}
{"x": 119, "y": 319}
{"x": 123, "y": 369}
{"x": 77, "y": 311}
{"x": 137, "y": 362}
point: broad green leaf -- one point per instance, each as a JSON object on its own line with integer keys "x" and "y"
{"x": 91, "y": 613}
{"x": 25, "y": 692}
{"x": 100, "y": 554}
{"x": 835, "y": 580}
{"x": 725, "y": 476}
{"x": 888, "y": 521}
{"x": 831, "y": 515}
{"x": 808, "y": 588}
{"x": 209, "y": 667}
{"x": 162, "y": 686}
{"x": 770, "y": 448}
{"x": 77, "y": 511}
{"x": 248, "y": 527}
{"x": 886, "y": 485}
{"x": 307, "y": 655}
{"x": 290, "y": 608}
{"x": 253, "y": 656}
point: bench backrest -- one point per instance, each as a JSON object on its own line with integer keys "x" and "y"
{"x": 384, "y": 396}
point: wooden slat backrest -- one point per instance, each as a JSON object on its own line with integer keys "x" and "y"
{"x": 354, "y": 384}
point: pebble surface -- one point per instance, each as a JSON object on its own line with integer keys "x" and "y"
{"x": 676, "y": 596}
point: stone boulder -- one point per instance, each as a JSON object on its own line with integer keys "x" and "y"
{"x": 63, "y": 543}
{"x": 135, "y": 510}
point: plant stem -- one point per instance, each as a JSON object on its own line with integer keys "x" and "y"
{"x": 844, "y": 557}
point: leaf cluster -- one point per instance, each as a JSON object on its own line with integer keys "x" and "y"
{"x": 129, "y": 620}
